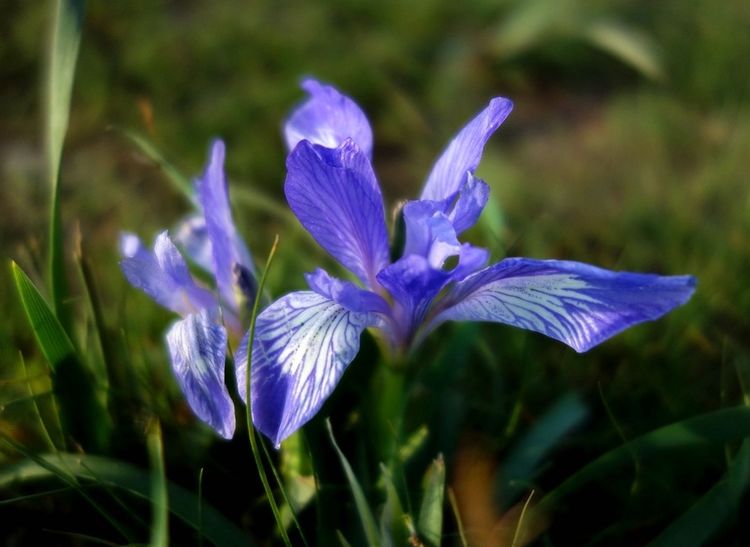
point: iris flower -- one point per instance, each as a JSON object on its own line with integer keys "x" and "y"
{"x": 197, "y": 342}
{"x": 305, "y": 340}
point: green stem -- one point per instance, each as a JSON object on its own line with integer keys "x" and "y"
{"x": 390, "y": 396}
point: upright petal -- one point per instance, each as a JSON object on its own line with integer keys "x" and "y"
{"x": 197, "y": 346}
{"x": 328, "y": 118}
{"x": 227, "y": 247}
{"x": 191, "y": 237}
{"x": 303, "y": 343}
{"x": 469, "y": 203}
{"x": 465, "y": 151}
{"x": 336, "y": 197}
{"x": 575, "y": 303}
{"x": 163, "y": 275}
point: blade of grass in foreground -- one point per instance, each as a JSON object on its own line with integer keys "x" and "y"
{"x": 527, "y": 455}
{"x": 430, "y": 523}
{"x": 721, "y": 426}
{"x": 699, "y": 523}
{"x": 180, "y": 182}
{"x": 243, "y": 194}
{"x": 66, "y": 38}
{"x": 160, "y": 502}
{"x": 137, "y": 482}
{"x": 44, "y": 430}
{"x": 394, "y": 529}
{"x": 122, "y": 397}
{"x": 56, "y": 467}
{"x": 248, "y": 416}
{"x": 81, "y": 413}
{"x": 365, "y": 515}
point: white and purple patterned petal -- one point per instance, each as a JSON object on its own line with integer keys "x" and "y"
{"x": 163, "y": 274}
{"x": 328, "y": 118}
{"x": 465, "y": 151}
{"x": 227, "y": 247}
{"x": 303, "y": 344}
{"x": 197, "y": 346}
{"x": 429, "y": 233}
{"x": 240, "y": 366}
{"x": 575, "y": 303}
{"x": 413, "y": 283}
{"x": 336, "y": 197}
{"x": 346, "y": 293}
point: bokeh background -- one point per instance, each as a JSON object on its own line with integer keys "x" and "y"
{"x": 629, "y": 147}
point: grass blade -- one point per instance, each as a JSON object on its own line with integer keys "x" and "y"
{"x": 160, "y": 502}
{"x": 248, "y": 417}
{"x": 288, "y": 508}
{"x": 137, "y": 482}
{"x": 80, "y": 410}
{"x": 66, "y": 39}
{"x": 56, "y": 467}
{"x": 122, "y": 401}
{"x": 628, "y": 45}
{"x": 393, "y": 520}
{"x": 244, "y": 195}
{"x": 699, "y": 522}
{"x": 430, "y": 523}
{"x": 180, "y": 182}
{"x": 523, "y": 460}
{"x": 721, "y": 426}
{"x": 37, "y": 412}
{"x": 365, "y": 515}
{"x": 457, "y": 517}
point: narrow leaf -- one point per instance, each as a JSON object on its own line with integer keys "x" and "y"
{"x": 81, "y": 412}
{"x": 66, "y": 39}
{"x": 122, "y": 395}
{"x": 523, "y": 461}
{"x": 180, "y": 182}
{"x": 160, "y": 504}
{"x": 245, "y": 195}
{"x": 721, "y": 426}
{"x": 698, "y": 523}
{"x": 430, "y": 524}
{"x": 629, "y": 45}
{"x": 393, "y": 530}
{"x": 137, "y": 482}
{"x": 365, "y": 515}
{"x": 57, "y": 468}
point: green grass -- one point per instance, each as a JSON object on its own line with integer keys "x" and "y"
{"x": 628, "y": 150}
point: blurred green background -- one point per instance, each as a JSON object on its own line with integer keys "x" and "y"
{"x": 629, "y": 147}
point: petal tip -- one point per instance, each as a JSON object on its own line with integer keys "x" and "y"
{"x": 218, "y": 151}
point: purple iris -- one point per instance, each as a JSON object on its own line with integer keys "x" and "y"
{"x": 305, "y": 340}
{"x": 197, "y": 342}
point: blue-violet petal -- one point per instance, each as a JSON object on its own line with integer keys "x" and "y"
{"x": 227, "y": 247}
{"x": 197, "y": 346}
{"x": 465, "y": 151}
{"x": 336, "y": 197}
{"x": 328, "y": 118}
{"x": 163, "y": 274}
{"x": 575, "y": 303}
{"x": 303, "y": 343}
